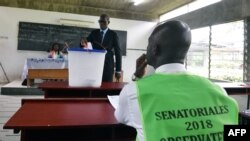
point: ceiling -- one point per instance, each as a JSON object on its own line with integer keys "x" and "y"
{"x": 149, "y": 10}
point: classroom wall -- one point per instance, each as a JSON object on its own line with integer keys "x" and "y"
{"x": 13, "y": 60}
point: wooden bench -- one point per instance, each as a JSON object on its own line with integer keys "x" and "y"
{"x": 46, "y": 74}
{"x": 61, "y": 74}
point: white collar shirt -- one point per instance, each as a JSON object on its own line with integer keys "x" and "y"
{"x": 128, "y": 111}
{"x": 104, "y": 31}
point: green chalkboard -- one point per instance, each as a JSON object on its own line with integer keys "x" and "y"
{"x": 40, "y": 37}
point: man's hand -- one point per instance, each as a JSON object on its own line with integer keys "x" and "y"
{"x": 66, "y": 45}
{"x": 141, "y": 64}
{"x": 117, "y": 76}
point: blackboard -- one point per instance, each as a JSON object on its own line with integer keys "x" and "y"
{"x": 40, "y": 37}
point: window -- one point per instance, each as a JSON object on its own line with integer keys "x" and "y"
{"x": 200, "y": 4}
{"x": 227, "y": 51}
{"x": 197, "y": 57}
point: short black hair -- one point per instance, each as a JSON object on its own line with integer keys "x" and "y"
{"x": 106, "y": 16}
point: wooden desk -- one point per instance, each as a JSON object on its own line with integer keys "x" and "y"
{"x": 62, "y": 74}
{"x": 68, "y": 120}
{"x": 63, "y": 90}
{"x": 237, "y": 89}
{"x": 244, "y": 117}
{"x": 46, "y": 74}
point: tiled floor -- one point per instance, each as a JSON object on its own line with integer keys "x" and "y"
{"x": 8, "y": 106}
{"x": 15, "y": 83}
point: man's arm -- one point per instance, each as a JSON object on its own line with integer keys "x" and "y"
{"x": 121, "y": 113}
{"x": 118, "y": 56}
{"x": 141, "y": 64}
{"x": 128, "y": 111}
{"x": 142, "y": 68}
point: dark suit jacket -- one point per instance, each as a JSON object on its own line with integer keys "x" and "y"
{"x": 112, "y": 45}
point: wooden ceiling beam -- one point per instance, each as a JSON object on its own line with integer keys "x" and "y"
{"x": 85, "y": 10}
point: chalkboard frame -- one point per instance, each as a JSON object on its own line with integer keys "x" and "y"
{"x": 40, "y": 36}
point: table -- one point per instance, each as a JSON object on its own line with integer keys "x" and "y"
{"x": 244, "y": 117}
{"x": 63, "y": 90}
{"x": 236, "y": 89}
{"x": 44, "y": 68}
{"x": 48, "y": 68}
{"x": 68, "y": 119}
{"x": 59, "y": 74}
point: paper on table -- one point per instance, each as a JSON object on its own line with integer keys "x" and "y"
{"x": 114, "y": 100}
{"x": 89, "y": 46}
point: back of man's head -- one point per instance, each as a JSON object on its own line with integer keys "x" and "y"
{"x": 169, "y": 43}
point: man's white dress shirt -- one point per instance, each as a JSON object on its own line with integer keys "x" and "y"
{"x": 128, "y": 111}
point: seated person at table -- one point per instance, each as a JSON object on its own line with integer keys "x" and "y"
{"x": 54, "y": 52}
{"x": 172, "y": 104}
{"x": 84, "y": 44}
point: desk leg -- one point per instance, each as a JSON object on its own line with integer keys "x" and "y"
{"x": 30, "y": 82}
{"x": 90, "y": 94}
{"x": 248, "y": 99}
{"x": 46, "y": 93}
{"x": 23, "y": 136}
{"x": 113, "y": 134}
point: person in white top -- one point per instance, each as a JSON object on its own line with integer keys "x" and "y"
{"x": 128, "y": 111}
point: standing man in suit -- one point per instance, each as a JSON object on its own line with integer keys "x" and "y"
{"x": 105, "y": 38}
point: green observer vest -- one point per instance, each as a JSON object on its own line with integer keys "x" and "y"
{"x": 183, "y": 107}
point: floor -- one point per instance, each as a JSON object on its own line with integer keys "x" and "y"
{"x": 10, "y": 104}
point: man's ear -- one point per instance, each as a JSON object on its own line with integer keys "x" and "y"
{"x": 108, "y": 22}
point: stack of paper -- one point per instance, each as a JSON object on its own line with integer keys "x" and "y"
{"x": 114, "y": 100}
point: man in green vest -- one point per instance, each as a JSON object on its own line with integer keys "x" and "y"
{"x": 172, "y": 104}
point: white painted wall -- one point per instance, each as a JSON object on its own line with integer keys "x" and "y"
{"x": 13, "y": 59}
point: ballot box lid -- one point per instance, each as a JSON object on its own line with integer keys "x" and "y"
{"x": 86, "y": 50}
